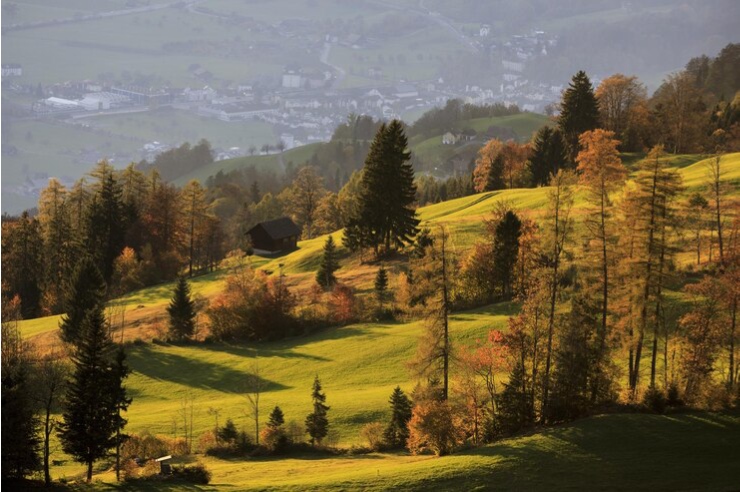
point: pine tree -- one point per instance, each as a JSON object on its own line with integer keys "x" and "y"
{"x": 96, "y": 396}
{"x": 22, "y": 262}
{"x": 329, "y": 264}
{"x": 381, "y": 284}
{"x": 515, "y": 402}
{"x": 506, "y": 251}
{"x": 548, "y": 155}
{"x": 277, "y": 419}
{"x": 20, "y": 447}
{"x": 386, "y": 215}
{"x": 182, "y": 311}
{"x": 86, "y": 292}
{"x": 579, "y": 112}
{"x": 397, "y": 432}
{"x": 317, "y": 425}
{"x": 495, "y": 180}
{"x": 106, "y": 226}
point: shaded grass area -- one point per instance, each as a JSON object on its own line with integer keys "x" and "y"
{"x": 692, "y": 451}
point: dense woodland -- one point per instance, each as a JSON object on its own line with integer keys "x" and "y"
{"x": 595, "y": 305}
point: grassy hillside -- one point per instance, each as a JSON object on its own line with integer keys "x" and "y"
{"x": 360, "y": 365}
{"x": 463, "y": 217}
{"x": 433, "y": 153}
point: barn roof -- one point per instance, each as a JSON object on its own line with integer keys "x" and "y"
{"x": 279, "y": 228}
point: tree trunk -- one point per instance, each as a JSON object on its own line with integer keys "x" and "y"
{"x": 47, "y": 436}
{"x": 605, "y": 296}
{"x": 445, "y": 320}
{"x": 732, "y": 341}
{"x": 717, "y": 176}
{"x": 551, "y": 319}
{"x": 646, "y": 291}
{"x": 658, "y": 299}
{"x": 89, "y": 471}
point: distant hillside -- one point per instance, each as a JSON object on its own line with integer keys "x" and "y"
{"x": 429, "y": 152}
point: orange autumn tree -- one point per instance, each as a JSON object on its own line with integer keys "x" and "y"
{"x": 602, "y": 173}
{"x": 623, "y": 108}
{"x": 515, "y": 157}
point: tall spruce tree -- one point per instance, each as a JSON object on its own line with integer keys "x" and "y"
{"x": 506, "y": 251}
{"x": 548, "y": 155}
{"x": 579, "y": 112}
{"x": 329, "y": 264}
{"x": 495, "y": 179}
{"x": 85, "y": 292}
{"x": 182, "y": 311}
{"x": 22, "y": 262}
{"x": 20, "y": 449}
{"x": 317, "y": 425}
{"x": 386, "y": 216}
{"x": 96, "y": 397}
{"x": 397, "y": 432}
{"x": 106, "y": 227}
{"x": 381, "y": 285}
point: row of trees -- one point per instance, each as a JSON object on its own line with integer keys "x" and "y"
{"x": 137, "y": 229}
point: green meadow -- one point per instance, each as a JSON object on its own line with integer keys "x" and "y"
{"x": 359, "y": 366}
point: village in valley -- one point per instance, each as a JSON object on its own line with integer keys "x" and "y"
{"x": 301, "y": 105}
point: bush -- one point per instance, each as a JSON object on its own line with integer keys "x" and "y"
{"x": 654, "y": 400}
{"x": 674, "y": 396}
{"x": 432, "y": 428}
{"x": 373, "y": 434}
{"x": 274, "y": 439}
{"x": 197, "y": 473}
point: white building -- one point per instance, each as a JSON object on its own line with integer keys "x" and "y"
{"x": 292, "y": 80}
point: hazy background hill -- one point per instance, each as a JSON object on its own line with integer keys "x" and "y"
{"x": 308, "y": 64}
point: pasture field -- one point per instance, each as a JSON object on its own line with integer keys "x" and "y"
{"x": 359, "y": 366}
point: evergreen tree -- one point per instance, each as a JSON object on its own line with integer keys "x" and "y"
{"x": 506, "y": 251}
{"x": 548, "y": 155}
{"x": 23, "y": 262}
{"x": 106, "y": 226}
{"x": 277, "y": 419}
{"x": 579, "y": 112}
{"x": 182, "y": 311}
{"x": 85, "y": 292}
{"x": 381, "y": 284}
{"x": 91, "y": 421}
{"x": 317, "y": 425}
{"x": 329, "y": 264}
{"x": 495, "y": 180}
{"x": 397, "y": 432}
{"x": 515, "y": 403}
{"x": 386, "y": 215}
{"x": 20, "y": 426}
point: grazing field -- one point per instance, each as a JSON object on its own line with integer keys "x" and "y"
{"x": 360, "y": 364}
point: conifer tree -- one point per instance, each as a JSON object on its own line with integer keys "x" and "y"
{"x": 548, "y": 155}
{"x": 397, "y": 432}
{"x": 22, "y": 262}
{"x": 91, "y": 421}
{"x": 277, "y": 419}
{"x": 182, "y": 311}
{"x": 651, "y": 202}
{"x": 506, "y": 251}
{"x": 381, "y": 285}
{"x": 386, "y": 215}
{"x": 579, "y": 112}
{"x": 106, "y": 227}
{"x": 317, "y": 425}
{"x": 603, "y": 173}
{"x": 20, "y": 426}
{"x": 329, "y": 264}
{"x": 85, "y": 292}
{"x": 495, "y": 180}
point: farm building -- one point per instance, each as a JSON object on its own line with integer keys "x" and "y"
{"x": 275, "y": 236}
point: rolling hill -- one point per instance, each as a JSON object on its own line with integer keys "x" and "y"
{"x": 359, "y": 366}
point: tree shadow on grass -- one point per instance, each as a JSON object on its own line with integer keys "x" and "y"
{"x": 191, "y": 371}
